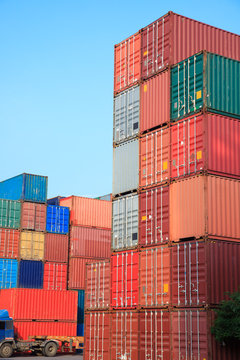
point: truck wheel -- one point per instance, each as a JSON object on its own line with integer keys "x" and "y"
{"x": 6, "y": 350}
{"x": 50, "y": 349}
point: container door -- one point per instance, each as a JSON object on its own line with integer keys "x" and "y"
{"x": 161, "y": 156}
{"x": 147, "y": 215}
{"x": 161, "y": 211}
{"x": 147, "y": 160}
{"x": 178, "y": 149}
{"x": 131, "y": 329}
{"x": 161, "y": 276}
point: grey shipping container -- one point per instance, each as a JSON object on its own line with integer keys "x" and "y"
{"x": 125, "y": 167}
{"x": 126, "y": 115}
{"x": 125, "y": 222}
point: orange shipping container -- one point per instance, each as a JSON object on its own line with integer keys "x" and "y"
{"x": 205, "y": 205}
{"x": 89, "y": 212}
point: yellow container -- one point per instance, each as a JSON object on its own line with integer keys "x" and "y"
{"x": 32, "y": 245}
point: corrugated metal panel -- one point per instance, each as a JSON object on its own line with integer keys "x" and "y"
{"x": 98, "y": 285}
{"x": 81, "y": 301}
{"x": 30, "y": 274}
{"x": 9, "y": 243}
{"x": 32, "y": 245}
{"x": 25, "y": 187}
{"x": 154, "y": 158}
{"x": 154, "y": 216}
{"x": 97, "y": 335}
{"x": 80, "y": 329}
{"x": 88, "y": 212}
{"x": 125, "y": 222}
{"x": 77, "y": 272}
{"x": 155, "y": 277}
{"x": 33, "y": 216}
{"x": 204, "y": 205}
{"x": 55, "y": 200}
{"x": 125, "y": 167}
{"x": 55, "y": 276}
{"x": 8, "y": 273}
{"x": 155, "y": 101}
{"x": 90, "y": 242}
{"x": 57, "y": 219}
{"x": 10, "y": 214}
{"x": 126, "y": 114}
{"x": 56, "y": 247}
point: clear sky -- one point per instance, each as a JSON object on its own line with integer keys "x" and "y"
{"x": 56, "y": 83}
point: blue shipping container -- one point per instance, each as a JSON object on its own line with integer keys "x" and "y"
{"x": 57, "y": 219}
{"x": 25, "y": 187}
{"x": 80, "y": 329}
{"x": 30, "y": 274}
{"x": 80, "y": 313}
{"x": 8, "y": 273}
{"x": 55, "y": 200}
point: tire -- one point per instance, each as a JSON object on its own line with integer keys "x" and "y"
{"x": 6, "y": 351}
{"x": 50, "y": 349}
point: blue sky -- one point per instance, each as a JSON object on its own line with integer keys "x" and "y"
{"x": 56, "y": 83}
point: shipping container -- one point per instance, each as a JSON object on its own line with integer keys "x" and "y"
{"x": 154, "y": 216}
{"x": 125, "y": 279}
{"x": 155, "y": 277}
{"x": 77, "y": 272}
{"x": 8, "y": 274}
{"x": 98, "y": 284}
{"x": 125, "y": 332}
{"x": 33, "y": 216}
{"x": 97, "y": 335}
{"x": 9, "y": 243}
{"x": 55, "y": 276}
{"x": 35, "y": 304}
{"x": 154, "y": 158}
{"x": 155, "y": 101}
{"x": 154, "y": 336}
{"x": 55, "y": 200}
{"x": 127, "y": 62}
{"x": 173, "y": 38}
{"x": 57, "y": 219}
{"x": 80, "y": 329}
{"x": 25, "y": 187}
{"x": 90, "y": 242}
{"x": 10, "y": 214}
{"x": 205, "y": 205}
{"x": 107, "y": 197}
{"x": 88, "y": 212}
{"x": 125, "y": 222}
{"x": 125, "y": 167}
{"x": 205, "y": 142}
{"x": 30, "y": 274}
{"x": 81, "y": 302}
{"x": 56, "y": 247}
{"x": 126, "y": 114}
{"x": 31, "y": 245}
{"x": 205, "y": 81}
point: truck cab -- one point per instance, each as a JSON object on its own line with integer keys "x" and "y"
{"x": 6, "y": 326}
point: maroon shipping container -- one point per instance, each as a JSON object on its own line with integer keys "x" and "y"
{"x": 55, "y": 276}
{"x": 201, "y": 270}
{"x": 97, "y": 335}
{"x": 125, "y": 330}
{"x": 173, "y": 38}
{"x": 9, "y": 243}
{"x": 154, "y": 340}
{"x": 125, "y": 279}
{"x": 77, "y": 272}
{"x": 33, "y": 216}
{"x": 205, "y": 142}
{"x": 154, "y": 216}
{"x": 97, "y": 291}
{"x": 90, "y": 242}
{"x": 56, "y": 248}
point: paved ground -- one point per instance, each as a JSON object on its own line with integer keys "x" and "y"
{"x": 59, "y": 357}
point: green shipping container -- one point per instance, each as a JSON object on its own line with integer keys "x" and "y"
{"x": 206, "y": 82}
{"x": 10, "y": 214}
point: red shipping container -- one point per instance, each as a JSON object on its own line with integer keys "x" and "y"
{"x": 89, "y": 212}
{"x": 25, "y": 329}
{"x": 125, "y": 279}
{"x": 77, "y": 272}
{"x": 125, "y": 330}
{"x": 154, "y": 216}
{"x": 97, "y": 292}
{"x": 127, "y": 62}
{"x": 154, "y": 158}
{"x": 155, "y": 277}
{"x": 33, "y": 216}
{"x": 90, "y": 242}
{"x": 155, "y": 101}
{"x": 200, "y": 272}
{"x": 55, "y": 276}
{"x": 56, "y": 247}
{"x": 9, "y": 243}
{"x": 205, "y": 142}
{"x": 154, "y": 335}
{"x": 173, "y": 38}
{"x": 97, "y": 335}
{"x": 39, "y": 304}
